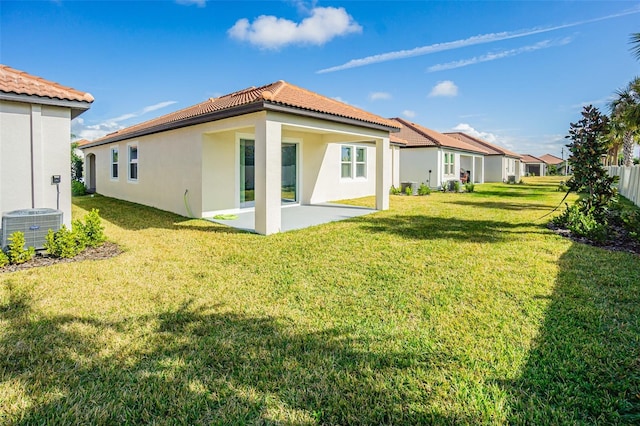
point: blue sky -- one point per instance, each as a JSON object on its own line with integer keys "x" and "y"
{"x": 515, "y": 73}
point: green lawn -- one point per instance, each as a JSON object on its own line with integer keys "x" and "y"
{"x": 449, "y": 308}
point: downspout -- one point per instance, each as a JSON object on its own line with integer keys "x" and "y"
{"x": 33, "y": 190}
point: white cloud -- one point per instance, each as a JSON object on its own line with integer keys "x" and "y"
{"x": 271, "y": 32}
{"x": 95, "y": 131}
{"x": 468, "y": 129}
{"x": 599, "y": 103}
{"x": 445, "y": 88}
{"x": 408, "y": 113}
{"x": 157, "y": 106}
{"x": 199, "y": 3}
{"x": 499, "y": 55}
{"x": 376, "y": 96}
{"x": 457, "y": 44}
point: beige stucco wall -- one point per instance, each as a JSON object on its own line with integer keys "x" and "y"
{"x": 49, "y": 128}
{"x": 415, "y": 164}
{"x": 204, "y": 159}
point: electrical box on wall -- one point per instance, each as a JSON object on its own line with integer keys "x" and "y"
{"x": 55, "y": 179}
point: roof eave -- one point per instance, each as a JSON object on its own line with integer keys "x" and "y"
{"x": 76, "y": 107}
{"x": 237, "y": 111}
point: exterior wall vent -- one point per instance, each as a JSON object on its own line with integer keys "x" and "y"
{"x": 34, "y": 223}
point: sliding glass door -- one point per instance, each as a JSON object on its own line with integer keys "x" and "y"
{"x": 289, "y": 184}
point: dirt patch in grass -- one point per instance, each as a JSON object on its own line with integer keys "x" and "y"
{"x": 620, "y": 240}
{"x": 105, "y": 251}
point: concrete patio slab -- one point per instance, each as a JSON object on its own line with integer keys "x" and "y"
{"x": 299, "y": 216}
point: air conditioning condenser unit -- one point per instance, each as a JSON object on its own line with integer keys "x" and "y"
{"x": 33, "y": 223}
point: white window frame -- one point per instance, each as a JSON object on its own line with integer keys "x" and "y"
{"x": 131, "y": 161}
{"x": 353, "y": 162}
{"x": 348, "y": 162}
{"x": 362, "y": 163}
{"x": 114, "y": 163}
{"x": 449, "y": 163}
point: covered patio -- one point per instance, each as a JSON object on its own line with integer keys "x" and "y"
{"x": 298, "y": 216}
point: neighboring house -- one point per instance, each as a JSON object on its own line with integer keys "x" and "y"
{"x": 534, "y": 166}
{"x": 500, "y": 164}
{"x": 434, "y": 158}
{"x": 35, "y": 133}
{"x": 258, "y": 148}
{"x": 552, "y": 160}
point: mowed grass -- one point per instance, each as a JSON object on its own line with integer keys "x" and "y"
{"x": 446, "y": 309}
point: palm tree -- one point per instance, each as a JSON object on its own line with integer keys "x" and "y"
{"x": 635, "y": 44}
{"x": 625, "y": 117}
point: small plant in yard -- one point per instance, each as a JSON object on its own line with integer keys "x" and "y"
{"x": 4, "y": 260}
{"x": 423, "y": 189}
{"x": 469, "y": 186}
{"x": 78, "y": 188}
{"x": 68, "y": 243}
{"x": 64, "y": 242}
{"x": 408, "y": 190}
{"x": 91, "y": 228}
{"x": 395, "y": 191}
{"x": 17, "y": 254}
{"x": 456, "y": 186}
{"x": 582, "y": 224}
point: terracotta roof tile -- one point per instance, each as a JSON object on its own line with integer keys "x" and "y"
{"x": 278, "y": 93}
{"x": 417, "y": 135}
{"x": 21, "y": 83}
{"x": 82, "y": 142}
{"x": 526, "y": 158}
{"x": 492, "y": 149}
{"x": 551, "y": 159}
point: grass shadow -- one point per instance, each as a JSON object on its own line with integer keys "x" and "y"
{"x": 433, "y": 228}
{"x": 584, "y": 367}
{"x": 203, "y": 365}
{"x": 502, "y": 205}
{"x": 134, "y": 217}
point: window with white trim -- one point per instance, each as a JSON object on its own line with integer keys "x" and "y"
{"x": 361, "y": 162}
{"x": 114, "y": 163}
{"x": 133, "y": 162}
{"x": 346, "y": 159}
{"x": 353, "y": 166}
{"x": 448, "y": 163}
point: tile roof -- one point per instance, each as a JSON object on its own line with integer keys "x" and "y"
{"x": 21, "y": 83}
{"x": 492, "y": 149}
{"x": 271, "y": 96}
{"x": 394, "y": 138}
{"x": 526, "y": 158}
{"x": 82, "y": 142}
{"x": 551, "y": 159}
{"x": 420, "y": 136}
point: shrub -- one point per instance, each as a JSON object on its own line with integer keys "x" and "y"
{"x": 17, "y": 253}
{"x": 631, "y": 222}
{"x": 408, "y": 190}
{"x": 583, "y": 224}
{"x": 394, "y": 190}
{"x": 423, "y": 189}
{"x": 68, "y": 243}
{"x": 469, "y": 186}
{"x": 92, "y": 229}
{"x": 78, "y": 188}
{"x": 456, "y": 186}
{"x": 4, "y": 260}
{"x": 64, "y": 242}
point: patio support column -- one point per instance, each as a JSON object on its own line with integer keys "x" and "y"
{"x": 383, "y": 179}
{"x": 268, "y": 181}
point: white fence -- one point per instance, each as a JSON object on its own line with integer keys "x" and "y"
{"x": 629, "y": 184}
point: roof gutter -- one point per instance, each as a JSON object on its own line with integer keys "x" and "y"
{"x": 77, "y": 107}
